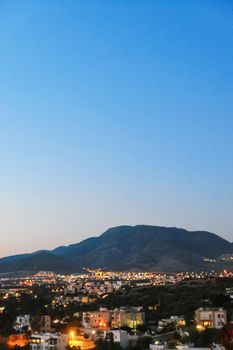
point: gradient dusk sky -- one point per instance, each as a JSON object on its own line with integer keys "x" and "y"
{"x": 114, "y": 112}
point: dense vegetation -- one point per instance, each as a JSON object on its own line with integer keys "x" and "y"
{"x": 180, "y": 299}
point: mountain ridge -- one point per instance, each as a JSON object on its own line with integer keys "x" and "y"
{"x": 139, "y": 247}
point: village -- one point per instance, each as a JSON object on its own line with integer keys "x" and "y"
{"x": 58, "y": 312}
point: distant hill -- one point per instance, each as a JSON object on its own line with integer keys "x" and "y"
{"x": 135, "y": 248}
{"x": 39, "y": 261}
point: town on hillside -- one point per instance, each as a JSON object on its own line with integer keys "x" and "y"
{"x": 107, "y": 310}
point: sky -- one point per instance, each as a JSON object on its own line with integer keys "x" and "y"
{"x": 114, "y": 112}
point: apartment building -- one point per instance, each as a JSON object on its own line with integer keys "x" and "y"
{"x": 104, "y": 318}
{"x": 131, "y": 317}
{"x": 97, "y": 319}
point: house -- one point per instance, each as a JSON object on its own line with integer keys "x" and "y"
{"x": 173, "y": 320}
{"x": 50, "y": 341}
{"x": 22, "y": 323}
{"x": 117, "y": 336}
{"x": 121, "y": 337}
{"x": 210, "y": 318}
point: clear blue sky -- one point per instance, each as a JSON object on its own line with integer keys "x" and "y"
{"x": 114, "y": 112}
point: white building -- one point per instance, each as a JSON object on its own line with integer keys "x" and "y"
{"x": 22, "y": 323}
{"x": 172, "y": 320}
{"x": 186, "y": 347}
{"x": 210, "y": 318}
{"x": 47, "y": 341}
{"x": 157, "y": 347}
{"x": 118, "y": 336}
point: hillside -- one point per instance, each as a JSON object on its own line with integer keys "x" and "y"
{"x": 141, "y": 247}
{"x": 39, "y": 261}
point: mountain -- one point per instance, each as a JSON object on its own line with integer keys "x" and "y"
{"x": 38, "y": 261}
{"x": 138, "y": 248}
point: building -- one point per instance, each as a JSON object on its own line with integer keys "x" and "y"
{"x": 97, "y": 319}
{"x": 45, "y": 324}
{"x": 186, "y": 347}
{"x": 50, "y": 341}
{"x": 22, "y": 323}
{"x": 41, "y": 324}
{"x": 210, "y": 318}
{"x": 81, "y": 342}
{"x": 131, "y": 317}
{"x": 117, "y": 336}
{"x": 175, "y": 320}
{"x": 121, "y": 337}
{"x": 157, "y": 347}
{"x": 117, "y": 318}
{"x": 42, "y": 341}
{"x": 62, "y": 342}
